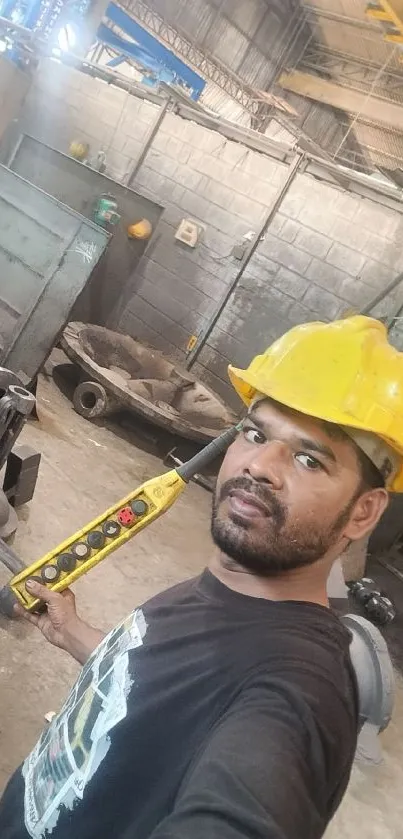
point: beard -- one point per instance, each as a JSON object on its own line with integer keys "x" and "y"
{"x": 278, "y": 545}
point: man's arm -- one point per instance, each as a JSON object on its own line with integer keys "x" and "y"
{"x": 60, "y": 624}
{"x": 275, "y": 767}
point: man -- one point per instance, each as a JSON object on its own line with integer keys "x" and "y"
{"x": 226, "y": 706}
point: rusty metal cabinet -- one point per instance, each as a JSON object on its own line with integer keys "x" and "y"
{"x": 47, "y": 254}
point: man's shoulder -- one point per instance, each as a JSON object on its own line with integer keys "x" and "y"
{"x": 173, "y": 595}
{"x": 308, "y": 648}
{"x": 311, "y": 660}
{"x": 307, "y": 628}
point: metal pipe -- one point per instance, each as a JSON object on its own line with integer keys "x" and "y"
{"x": 344, "y": 19}
{"x": 382, "y": 294}
{"x": 149, "y": 141}
{"x": 394, "y": 316}
{"x": 15, "y": 151}
{"x": 282, "y": 192}
{"x": 10, "y": 559}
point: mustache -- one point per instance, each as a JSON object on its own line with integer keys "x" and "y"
{"x": 261, "y": 491}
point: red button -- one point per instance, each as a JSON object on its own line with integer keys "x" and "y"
{"x": 126, "y": 517}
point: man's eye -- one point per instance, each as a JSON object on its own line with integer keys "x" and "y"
{"x": 309, "y": 462}
{"x": 253, "y": 435}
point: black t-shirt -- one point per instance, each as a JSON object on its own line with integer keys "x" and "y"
{"x": 206, "y": 713}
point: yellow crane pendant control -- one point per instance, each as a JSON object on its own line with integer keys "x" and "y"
{"x": 89, "y": 546}
{"x": 77, "y": 555}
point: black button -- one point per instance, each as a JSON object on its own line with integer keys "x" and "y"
{"x": 139, "y": 507}
{"x": 81, "y": 550}
{"x": 96, "y": 540}
{"x": 111, "y": 529}
{"x": 66, "y": 562}
{"x": 50, "y": 573}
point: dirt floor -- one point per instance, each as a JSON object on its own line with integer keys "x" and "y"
{"x": 85, "y": 468}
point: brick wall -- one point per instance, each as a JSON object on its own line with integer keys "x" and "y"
{"x": 326, "y": 251}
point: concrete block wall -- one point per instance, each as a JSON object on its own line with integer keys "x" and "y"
{"x": 197, "y": 173}
{"x": 64, "y": 105}
{"x": 326, "y": 251}
{"x": 14, "y": 85}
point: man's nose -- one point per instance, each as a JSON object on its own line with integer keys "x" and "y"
{"x": 267, "y": 463}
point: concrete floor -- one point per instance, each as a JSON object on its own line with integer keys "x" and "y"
{"x": 85, "y": 468}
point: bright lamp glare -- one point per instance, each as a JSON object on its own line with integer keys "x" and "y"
{"x": 66, "y": 38}
{"x": 3, "y": 46}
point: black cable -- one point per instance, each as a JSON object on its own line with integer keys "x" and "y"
{"x": 208, "y": 454}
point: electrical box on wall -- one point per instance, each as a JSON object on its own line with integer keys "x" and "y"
{"x": 238, "y": 251}
{"x": 188, "y": 232}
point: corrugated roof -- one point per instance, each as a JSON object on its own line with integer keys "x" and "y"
{"x": 244, "y": 35}
{"x": 342, "y": 31}
{"x": 219, "y": 101}
{"x": 255, "y": 39}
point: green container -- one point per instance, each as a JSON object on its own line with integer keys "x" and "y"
{"x": 105, "y": 211}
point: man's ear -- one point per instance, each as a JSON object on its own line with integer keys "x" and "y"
{"x": 368, "y": 509}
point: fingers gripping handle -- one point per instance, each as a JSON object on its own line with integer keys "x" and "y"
{"x": 208, "y": 454}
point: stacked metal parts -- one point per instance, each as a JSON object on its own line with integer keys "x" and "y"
{"x": 16, "y": 404}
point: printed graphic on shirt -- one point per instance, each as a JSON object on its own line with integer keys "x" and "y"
{"x": 70, "y": 751}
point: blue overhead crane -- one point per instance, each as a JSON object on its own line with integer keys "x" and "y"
{"x": 147, "y": 51}
{"x": 49, "y": 18}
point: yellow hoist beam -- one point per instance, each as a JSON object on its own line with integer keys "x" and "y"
{"x": 377, "y": 14}
{"x": 388, "y": 11}
{"x": 394, "y": 38}
{"x": 374, "y": 108}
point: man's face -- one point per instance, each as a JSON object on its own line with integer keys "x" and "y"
{"x": 285, "y": 492}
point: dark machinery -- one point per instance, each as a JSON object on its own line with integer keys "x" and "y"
{"x": 375, "y": 682}
{"x": 19, "y": 464}
{"x": 375, "y": 604}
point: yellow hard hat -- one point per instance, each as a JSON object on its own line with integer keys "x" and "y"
{"x": 344, "y": 372}
{"x": 140, "y": 230}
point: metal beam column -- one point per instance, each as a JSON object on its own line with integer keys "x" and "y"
{"x": 149, "y": 141}
{"x": 295, "y": 167}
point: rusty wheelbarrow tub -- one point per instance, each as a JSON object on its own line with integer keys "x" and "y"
{"x": 121, "y": 373}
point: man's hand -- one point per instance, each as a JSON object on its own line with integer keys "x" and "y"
{"x": 60, "y": 623}
{"x": 60, "y": 617}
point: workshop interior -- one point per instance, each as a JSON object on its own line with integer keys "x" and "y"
{"x": 180, "y": 185}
